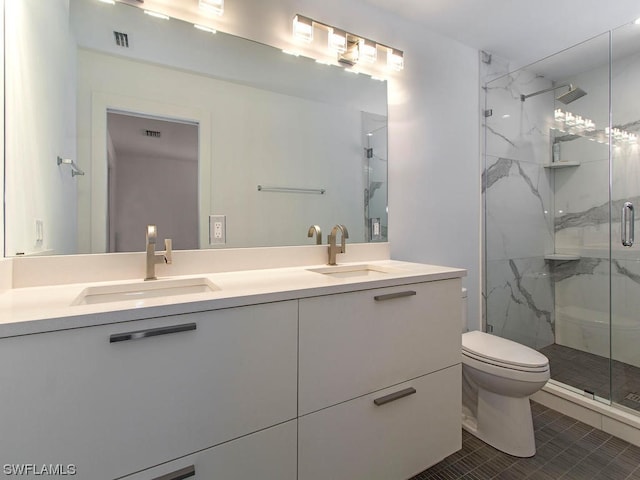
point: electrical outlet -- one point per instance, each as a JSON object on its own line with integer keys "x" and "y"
{"x": 217, "y": 229}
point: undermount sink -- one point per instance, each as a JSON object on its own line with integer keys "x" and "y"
{"x": 356, "y": 271}
{"x": 143, "y": 290}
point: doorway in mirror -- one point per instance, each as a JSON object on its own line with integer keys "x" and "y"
{"x": 152, "y": 179}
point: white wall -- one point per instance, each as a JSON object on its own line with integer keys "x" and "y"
{"x": 42, "y": 127}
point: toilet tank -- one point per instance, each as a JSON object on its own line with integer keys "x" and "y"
{"x": 463, "y": 313}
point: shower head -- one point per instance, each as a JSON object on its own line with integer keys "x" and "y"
{"x": 574, "y": 93}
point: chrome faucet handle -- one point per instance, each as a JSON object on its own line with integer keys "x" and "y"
{"x": 168, "y": 257}
{"x": 315, "y": 229}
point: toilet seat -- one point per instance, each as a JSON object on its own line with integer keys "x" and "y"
{"x": 507, "y": 365}
{"x": 503, "y": 353}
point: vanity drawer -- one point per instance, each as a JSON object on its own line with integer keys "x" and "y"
{"x": 113, "y": 402}
{"x": 355, "y": 343}
{"x": 359, "y": 440}
{"x": 268, "y": 455}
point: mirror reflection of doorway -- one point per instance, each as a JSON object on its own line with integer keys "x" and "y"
{"x": 152, "y": 179}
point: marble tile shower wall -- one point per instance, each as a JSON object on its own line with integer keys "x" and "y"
{"x": 518, "y": 198}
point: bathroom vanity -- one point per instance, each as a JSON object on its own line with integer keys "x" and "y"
{"x": 347, "y": 372}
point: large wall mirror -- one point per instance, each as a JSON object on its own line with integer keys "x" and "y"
{"x": 275, "y": 142}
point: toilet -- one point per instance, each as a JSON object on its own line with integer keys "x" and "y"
{"x": 498, "y": 376}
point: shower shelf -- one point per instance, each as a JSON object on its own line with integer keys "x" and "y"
{"x": 562, "y": 257}
{"x": 561, "y": 164}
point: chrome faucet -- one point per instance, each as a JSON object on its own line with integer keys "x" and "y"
{"x": 333, "y": 248}
{"x": 152, "y": 256}
{"x": 318, "y": 233}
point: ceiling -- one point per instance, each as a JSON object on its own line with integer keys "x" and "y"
{"x": 519, "y": 30}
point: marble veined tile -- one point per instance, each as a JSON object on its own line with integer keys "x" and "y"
{"x": 517, "y": 129}
{"x": 518, "y": 221}
{"x": 519, "y": 301}
{"x": 583, "y": 317}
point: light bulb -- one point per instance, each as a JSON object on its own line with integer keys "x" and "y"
{"x": 212, "y": 6}
{"x": 303, "y": 29}
{"x": 395, "y": 59}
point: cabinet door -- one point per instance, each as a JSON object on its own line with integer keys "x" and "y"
{"x": 114, "y": 408}
{"x": 269, "y": 454}
{"x": 355, "y": 343}
{"x": 359, "y": 440}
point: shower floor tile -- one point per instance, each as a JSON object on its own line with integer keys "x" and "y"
{"x": 587, "y": 371}
{"x": 566, "y": 448}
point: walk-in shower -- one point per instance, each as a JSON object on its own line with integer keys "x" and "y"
{"x": 562, "y": 169}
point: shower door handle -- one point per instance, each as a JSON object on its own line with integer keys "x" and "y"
{"x": 627, "y": 224}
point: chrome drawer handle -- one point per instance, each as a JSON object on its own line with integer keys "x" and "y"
{"x": 389, "y": 296}
{"x": 152, "y": 332}
{"x": 394, "y": 396}
{"x": 179, "y": 474}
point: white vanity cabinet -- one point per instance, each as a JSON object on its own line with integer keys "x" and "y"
{"x": 379, "y": 381}
{"x": 116, "y": 399}
{"x": 336, "y": 382}
{"x": 269, "y": 454}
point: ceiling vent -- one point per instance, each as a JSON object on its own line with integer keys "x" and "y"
{"x": 122, "y": 39}
{"x": 152, "y": 133}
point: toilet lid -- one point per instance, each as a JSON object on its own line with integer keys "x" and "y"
{"x": 497, "y": 349}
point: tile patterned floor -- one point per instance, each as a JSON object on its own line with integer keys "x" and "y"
{"x": 566, "y": 448}
{"x": 591, "y": 372}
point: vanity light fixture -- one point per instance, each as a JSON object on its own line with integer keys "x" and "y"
{"x": 153, "y": 14}
{"x": 204, "y": 28}
{"x": 367, "y": 50}
{"x": 350, "y": 49}
{"x": 395, "y": 59}
{"x": 303, "y": 28}
{"x": 109, "y": 2}
{"x": 212, "y": 6}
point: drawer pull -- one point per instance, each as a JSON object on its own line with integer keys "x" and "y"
{"x": 390, "y": 296}
{"x": 394, "y": 396}
{"x": 152, "y": 332}
{"x": 179, "y": 474}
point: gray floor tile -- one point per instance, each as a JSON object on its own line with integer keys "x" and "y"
{"x": 566, "y": 449}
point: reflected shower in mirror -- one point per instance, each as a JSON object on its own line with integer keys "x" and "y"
{"x": 263, "y": 118}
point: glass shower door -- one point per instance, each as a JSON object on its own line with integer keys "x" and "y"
{"x": 625, "y": 249}
{"x": 546, "y": 192}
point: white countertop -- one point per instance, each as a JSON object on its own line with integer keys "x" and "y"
{"x": 40, "y": 309}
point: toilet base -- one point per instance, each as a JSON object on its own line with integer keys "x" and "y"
{"x": 503, "y": 422}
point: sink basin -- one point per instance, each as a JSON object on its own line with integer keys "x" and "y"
{"x": 143, "y": 290}
{"x": 356, "y": 271}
